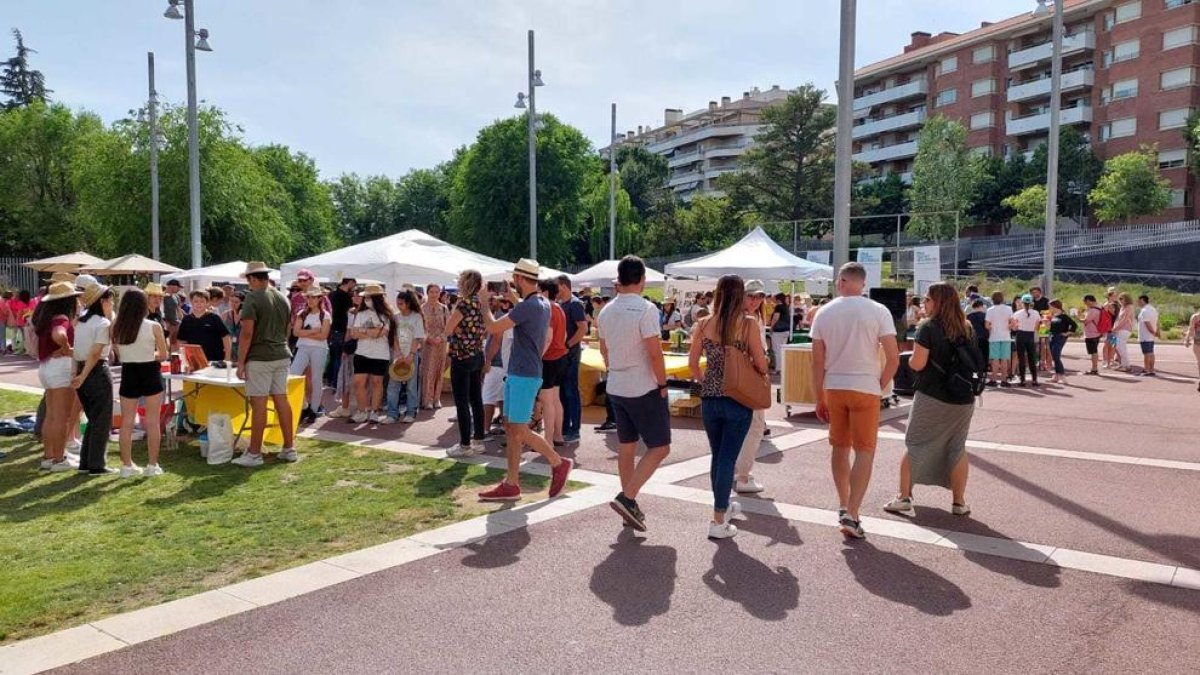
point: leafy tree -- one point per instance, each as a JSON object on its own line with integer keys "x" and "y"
{"x": 594, "y": 243}
{"x": 788, "y": 174}
{"x": 490, "y": 207}
{"x": 944, "y": 178}
{"x": 885, "y": 197}
{"x": 643, "y": 176}
{"x": 1078, "y": 170}
{"x": 1131, "y": 186}
{"x": 705, "y": 224}
{"x": 20, "y": 83}
{"x": 422, "y": 200}
{"x": 1028, "y": 206}
{"x": 365, "y": 208}
{"x": 308, "y": 212}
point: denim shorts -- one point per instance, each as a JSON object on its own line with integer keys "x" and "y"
{"x": 1147, "y": 348}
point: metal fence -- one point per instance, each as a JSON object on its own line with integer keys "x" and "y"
{"x": 15, "y": 276}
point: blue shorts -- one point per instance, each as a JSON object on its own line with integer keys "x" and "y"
{"x": 1147, "y": 348}
{"x": 1001, "y": 350}
{"x": 519, "y": 394}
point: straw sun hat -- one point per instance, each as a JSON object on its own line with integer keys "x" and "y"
{"x": 530, "y": 269}
{"x": 59, "y": 290}
{"x": 400, "y": 371}
{"x": 372, "y": 289}
{"x": 256, "y": 267}
{"x": 154, "y": 288}
{"x": 92, "y": 293}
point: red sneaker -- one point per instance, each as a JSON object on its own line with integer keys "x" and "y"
{"x": 558, "y": 477}
{"x": 501, "y": 493}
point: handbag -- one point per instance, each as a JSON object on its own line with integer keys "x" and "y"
{"x": 743, "y": 383}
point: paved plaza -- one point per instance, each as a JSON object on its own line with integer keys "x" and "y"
{"x": 1082, "y": 554}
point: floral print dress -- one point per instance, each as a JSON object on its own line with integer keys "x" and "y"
{"x": 433, "y": 361}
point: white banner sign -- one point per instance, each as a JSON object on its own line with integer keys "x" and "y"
{"x": 816, "y": 288}
{"x": 927, "y": 267}
{"x": 872, "y": 260}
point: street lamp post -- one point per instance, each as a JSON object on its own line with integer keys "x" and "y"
{"x": 535, "y": 80}
{"x": 1052, "y": 143}
{"x": 152, "y": 113}
{"x": 612, "y": 187}
{"x": 193, "y": 40}
{"x": 845, "y": 119}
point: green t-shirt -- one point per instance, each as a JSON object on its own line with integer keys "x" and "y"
{"x": 270, "y": 312}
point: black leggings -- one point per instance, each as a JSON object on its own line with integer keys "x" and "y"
{"x": 1027, "y": 353}
{"x": 466, "y": 380}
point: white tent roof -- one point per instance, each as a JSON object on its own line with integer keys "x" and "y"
{"x": 605, "y": 273}
{"x": 756, "y": 256}
{"x": 411, "y": 256}
{"x": 230, "y": 272}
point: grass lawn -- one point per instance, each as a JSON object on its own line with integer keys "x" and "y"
{"x": 75, "y": 549}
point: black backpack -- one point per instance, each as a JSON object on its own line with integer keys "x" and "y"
{"x": 964, "y": 377}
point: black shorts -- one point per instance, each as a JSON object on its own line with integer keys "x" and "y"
{"x": 141, "y": 379}
{"x": 646, "y": 417}
{"x": 373, "y": 367}
{"x": 1092, "y": 344}
{"x": 552, "y": 372}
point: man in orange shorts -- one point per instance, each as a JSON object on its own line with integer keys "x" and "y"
{"x": 846, "y": 337}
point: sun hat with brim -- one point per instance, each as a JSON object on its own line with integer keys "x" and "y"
{"x": 305, "y": 275}
{"x": 755, "y": 287}
{"x": 62, "y": 276}
{"x": 372, "y": 289}
{"x": 256, "y": 267}
{"x": 153, "y": 288}
{"x": 85, "y": 280}
{"x": 400, "y": 371}
{"x": 92, "y": 293}
{"x": 530, "y": 269}
{"x": 60, "y": 290}
{"x": 315, "y": 292}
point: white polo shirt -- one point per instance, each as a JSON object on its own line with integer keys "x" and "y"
{"x": 624, "y": 324}
{"x": 850, "y": 328}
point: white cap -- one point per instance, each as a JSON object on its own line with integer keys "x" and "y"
{"x": 85, "y": 280}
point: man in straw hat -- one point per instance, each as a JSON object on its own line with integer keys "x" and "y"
{"x": 530, "y": 323}
{"x": 263, "y": 360}
{"x": 154, "y": 301}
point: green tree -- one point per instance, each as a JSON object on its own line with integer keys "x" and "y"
{"x": 490, "y": 208}
{"x": 422, "y": 200}
{"x": 788, "y": 174}
{"x": 308, "y": 212}
{"x": 1028, "y": 207}
{"x": 1131, "y": 186}
{"x": 1078, "y": 170}
{"x": 706, "y": 223}
{"x": 643, "y": 175}
{"x": 594, "y": 246}
{"x": 883, "y": 197}
{"x": 38, "y": 144}
{"x": 21, "y": 84}
{"x": 944, "y": 178}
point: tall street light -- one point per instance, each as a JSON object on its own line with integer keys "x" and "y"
{"x": 535, "y": 80}
{"x": 1052, "y": 143}
{"x": 152, "y": 109}
{"x": 193, "y": 40}
{"x": 845, "y": 120}
{"x": 612, "y": 187}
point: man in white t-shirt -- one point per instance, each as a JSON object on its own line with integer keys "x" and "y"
{"x": 999, "y": 320}
{"x": 846, "y": 337}
{"x": 637, "y": 385}
{"x": 1147, "y": 333}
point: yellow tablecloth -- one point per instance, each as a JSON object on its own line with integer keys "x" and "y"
{"x": 206, "y": 399}
{"x": 591, "y": 367}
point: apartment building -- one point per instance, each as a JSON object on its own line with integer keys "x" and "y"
{"x": 703, "y": 145}
{"x": 1129, "y": 79}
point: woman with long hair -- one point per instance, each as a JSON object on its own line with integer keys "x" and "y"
{"x": 433, "y": 355}
{"x": 1026, "y": 341}
{"x": 373, "y": 328}
{"x": 344, "y": 384}
{"x": 1123, "y": 328}
{"x": 233, "y": 319}
{"x": 726, "y": 421}
{"x": 141, "y": 345}
{"x": 55, "y": 337}
{"x": 466, "y": 331}
{"x": 407, "y": 346}
{"x": 1061, "y": 328}
{"x": 93, "y": 382}
{"x": 941, "y": 412}
{"x": 311, "y": 328}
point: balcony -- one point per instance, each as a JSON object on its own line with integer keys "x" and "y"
{"x": 891, "y": 152}
{"x": 905, "y": 177}
{"x": 728, "y": 150}
{"x": 684, "y": 159}
{"x": 908, "y": 90}
{"x": 903, "y": 121}
{"x": 679, "y": 179}
{"x": 1031, "y": 56}
{"x": 1021, "y": 126}
{"x": 1078, "y": 79}
{"x": 700, "y": 133}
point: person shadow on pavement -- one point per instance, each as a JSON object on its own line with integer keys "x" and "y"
{"x": 498, "y": 550}
{"x": 1024, "y": 569}
{"x": 898, "y": 579}
{"x": 765, "y": 593}
{"x": 636, "y": 579}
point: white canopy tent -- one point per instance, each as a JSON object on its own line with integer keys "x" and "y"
{"x": 604, "y": 274}
{"x": 411, "y": 256}
{"x": 230, "y": 272}
{"x": 755, "y": 256}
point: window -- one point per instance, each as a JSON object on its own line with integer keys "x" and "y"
{"x": 1172, "y": 159}
{"x": 1119, "y": 128}
{"x": 1179, "y": 77}
{"x": 1172, "y": 4}
{"x": 1180, "y": 198}
{"x": 1173, "y": 119}
{"x": 982, "y": 120}
{"x": 1124, "y": 51}
{"x": 946, "y": 97}
{"x": 948, "y": 65}
{"x": 984, "y": 54}
{"x": 983, "y": 87}
{"x": 1180, "y": 36}
{"x": 1128, "y": 11}
{"x": 1123, "y": 89}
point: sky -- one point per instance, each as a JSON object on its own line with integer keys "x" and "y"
{"x": 386, "y": 86}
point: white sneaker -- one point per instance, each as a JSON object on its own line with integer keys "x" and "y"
{"x": 248, "y": 459}
{"x": 460, "y": 450}
{"x": 409, "y": 419}
{"x": 960, "y": 509}
{"x": 339, "y": 412}
{"x": 359, "y": 417}
{"x": 152, "y": 470}
{"x": 751, "y": 486}
{"x": 74, "y": 446}
{"x": 373, "y": 417}
{"x": 388, "y": 420}
{"x": 288, "y": 455}
{"x": 131, "y": 471}
{"x": 902, "y": 505}
{"x": 45, "y": 464}
{"x": 725, "y": 530}
{"x": 734, "y": 512}
{"x": 60, "y": 467}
